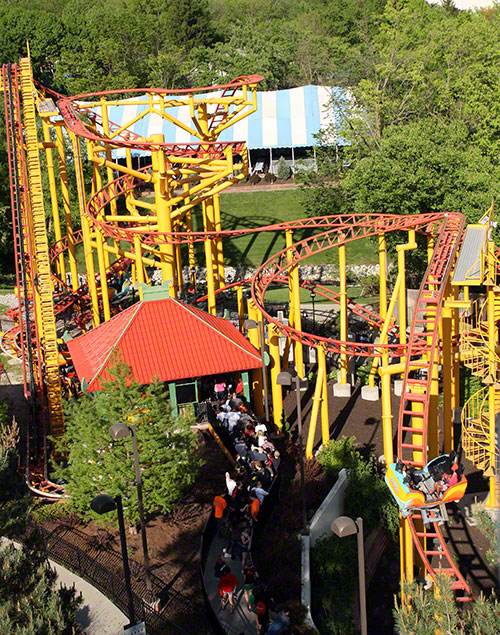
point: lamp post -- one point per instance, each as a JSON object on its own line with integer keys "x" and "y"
{"x": 345, "y": 526}
{"x": 313, "y": 296}
{"x": 249, "y": 325}
{"x": 103, "y": 504}
{"x": 120, "y": 431}
{"x": 285, "y": 379}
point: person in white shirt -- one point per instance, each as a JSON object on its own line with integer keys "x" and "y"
{"x": 230, "y": 484}
{"x": 232, "y": 419}
{"x": 259, "y": 427}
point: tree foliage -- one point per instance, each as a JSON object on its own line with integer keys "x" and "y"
{"x": 427, "y": 612}
{"x": 96, "y": 464}
{"x": 30, "y": 601}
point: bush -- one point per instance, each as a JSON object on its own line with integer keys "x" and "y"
{"x": 363, "y": 372}
{"x": 339, "y": 454}
{"x": 283, "y": 172}
{"x": 254, "y": 179}
{"x": 269, "y": 178}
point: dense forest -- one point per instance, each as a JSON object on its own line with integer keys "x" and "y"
{"x": 424, "y": 121}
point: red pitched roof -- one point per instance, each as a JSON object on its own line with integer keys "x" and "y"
{"x": 165, "y": 339}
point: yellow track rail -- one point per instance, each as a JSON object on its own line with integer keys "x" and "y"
{"x": 44, "y": 307}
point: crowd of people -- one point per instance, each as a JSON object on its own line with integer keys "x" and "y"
{"x": 238, "y": 508}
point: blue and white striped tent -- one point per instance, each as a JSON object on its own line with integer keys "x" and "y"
{"x": 284, "y": 119}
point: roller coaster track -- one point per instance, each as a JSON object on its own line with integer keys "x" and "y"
{"x": 416, "y": 392}
{"x": 42, "y": 279}
{"x": 420, "y": 351}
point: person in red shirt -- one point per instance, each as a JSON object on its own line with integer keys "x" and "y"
{"x": 227, "y": 586}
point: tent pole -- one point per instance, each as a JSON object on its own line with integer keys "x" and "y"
{"x": 271, "y": 160}
{"x": 249, "y": 162}
{"x": 293, "y": 160}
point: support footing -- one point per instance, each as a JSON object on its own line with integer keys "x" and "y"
{"x": 370, "y": 394}
{"x": 342, "y": 390}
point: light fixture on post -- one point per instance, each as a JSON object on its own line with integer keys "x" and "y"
{"x": 285, "y": 379}
{"x": 103, "y": 504}
{"x": 249, "y": 325}
{"x": 313, "y": 296}
{"x": 344, "y": 526}
{"x": 121, "y": 431}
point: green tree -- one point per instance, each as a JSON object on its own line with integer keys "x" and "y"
{"x": 425, "y": 613}
{"x": 97, "y": 464}
{"x": 30, "y": 602}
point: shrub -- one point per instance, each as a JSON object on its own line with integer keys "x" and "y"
{"x": 254, "y": 179}
{"x": 363, "y": 372}
{"x": 338, "y": 454}
{"x": 269, "y": 178}
{"x": 283, "y": 172}
{"x": 489, "y": 528}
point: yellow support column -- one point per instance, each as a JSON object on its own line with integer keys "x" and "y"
{"x": 211, "y": 308}
{"x": 318, "y": 391}
{"x": 178, "y": 260}
{"x": 408, "y": 552}
{"x": 60, "y": 265}
{"x": 241, "y": 306}
{"x": 164, "y": 220}
{"x": 274, "y": 354}
{"x": 138, "y": 262}
{"x": 325, "y": 423}
{"x": 386, "y": 414}
{"x": 382, "y": 264}
{"x": 401, "y": 249}
{"x": 109, "y": 171}
{"x": 492, "y": 501}
{"x": 102, "y": 256}
{"x": 218, "y": 243}
{"x": 433, "y": 417}
{"x": 293, "y": 276}
{"x": 63, "y": 176}
{"x": 257, "y": 383}
{"x": 447, "y": 363}
{"x": 455, "y": 384}
{"x": 344, "y": 358}
{"x": 86, "y": 230}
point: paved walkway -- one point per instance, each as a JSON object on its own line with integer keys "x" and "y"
{"x": 97, "y": 615}
{"x": 241, "y": 621}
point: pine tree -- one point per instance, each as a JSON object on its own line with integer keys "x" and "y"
{"x": 30, "y": 603}
{"x": 283, "y": 172}
{"x": 436, "y": 611}
{"x": 96, "y": 464}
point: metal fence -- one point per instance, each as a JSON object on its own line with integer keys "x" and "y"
{"x": 103, "y": 569}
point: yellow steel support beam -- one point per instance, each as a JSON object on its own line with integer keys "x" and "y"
{"x": 63, "y": 176}
{"x": 257, "y": 383}
{"x": 274, "y": 353}
{"x": 318, "y": 392}
{"x": 325, "y": 423}
{"x": 344, "y": 357}
{"x": 60, "y": 265}
{"x": 167, "y": 251}
{"x": 382, "y": 264}
{"x": 294, "y": 288}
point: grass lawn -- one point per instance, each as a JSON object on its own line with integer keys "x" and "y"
{"x": 256, "y": 209}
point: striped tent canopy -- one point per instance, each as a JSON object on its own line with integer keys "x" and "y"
{"x": 284, "y": 119}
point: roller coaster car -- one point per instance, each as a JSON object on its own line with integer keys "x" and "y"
{"x": 408, "y": 497}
